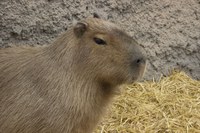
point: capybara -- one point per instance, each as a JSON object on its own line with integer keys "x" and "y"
{"x": 65, "y": 87}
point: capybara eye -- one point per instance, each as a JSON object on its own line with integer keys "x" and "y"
{"x": 99, "y": 41}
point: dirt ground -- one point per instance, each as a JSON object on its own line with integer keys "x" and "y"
{"x": 169, "y": 30}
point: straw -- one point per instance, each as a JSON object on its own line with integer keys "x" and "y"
{"x": 169, "y": 105}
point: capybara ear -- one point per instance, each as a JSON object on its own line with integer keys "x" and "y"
{"x": 95, "y": 15}
{"x": 80, "y": 28}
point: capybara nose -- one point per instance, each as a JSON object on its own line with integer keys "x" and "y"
{"x": 140, "y": 61}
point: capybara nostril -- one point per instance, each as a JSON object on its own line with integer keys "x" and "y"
{"x": 141, "y": 60}
{"x": 138, "y": 62}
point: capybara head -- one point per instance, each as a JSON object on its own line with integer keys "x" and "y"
{"x": 107, "y": 52}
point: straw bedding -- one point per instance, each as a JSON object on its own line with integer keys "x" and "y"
{"x": 170, "y": 105}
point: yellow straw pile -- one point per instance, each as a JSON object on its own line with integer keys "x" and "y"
{"x": 171, "y": 105}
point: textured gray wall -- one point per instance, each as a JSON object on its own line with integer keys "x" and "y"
{"x": 169, "y": 30}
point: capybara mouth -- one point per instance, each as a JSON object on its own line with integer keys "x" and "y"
{"x": 139, "y": 74}
{"x": 142, "y": 71}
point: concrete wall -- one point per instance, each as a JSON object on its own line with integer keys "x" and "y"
{"x": 169, "y": 30}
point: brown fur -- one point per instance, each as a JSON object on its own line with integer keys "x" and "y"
{"x": 65, "y": 87}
